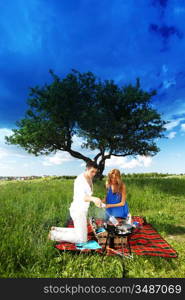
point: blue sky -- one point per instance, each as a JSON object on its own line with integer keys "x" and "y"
{"x": 118, "y": 40}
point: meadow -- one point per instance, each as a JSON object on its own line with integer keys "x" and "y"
{"x": 30, "y": 208}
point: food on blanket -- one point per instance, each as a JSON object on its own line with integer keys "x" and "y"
{"x": 124, "y": 228}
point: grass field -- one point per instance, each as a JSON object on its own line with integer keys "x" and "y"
{"x": 30, "y": 208}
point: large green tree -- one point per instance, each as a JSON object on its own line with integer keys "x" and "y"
{"x": 116, "y": 121}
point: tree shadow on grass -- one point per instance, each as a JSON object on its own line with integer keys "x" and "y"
{"x": 169, "y": 228}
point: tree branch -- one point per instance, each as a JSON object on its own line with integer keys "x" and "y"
{"x": 101, "y": 153}
{"x": 104, "y": 157}
{"x": 97, "y": 156}
{"x": 77, "y": 154}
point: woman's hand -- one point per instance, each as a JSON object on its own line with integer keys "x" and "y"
{"x": 108, "y": 205}
{"x": 104, "y": 200}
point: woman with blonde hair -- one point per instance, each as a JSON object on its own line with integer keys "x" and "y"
{"x": 115, "y": 200}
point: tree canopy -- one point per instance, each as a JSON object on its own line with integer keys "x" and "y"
{"x": 114, "y": 120}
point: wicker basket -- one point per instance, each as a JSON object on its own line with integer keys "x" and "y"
{"x": 117, "y": 241}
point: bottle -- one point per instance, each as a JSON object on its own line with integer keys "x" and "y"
{"x": 128, "y": 219}
{"x": 112, "y": 219}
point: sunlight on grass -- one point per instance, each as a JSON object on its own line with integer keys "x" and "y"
{"x": 30, "y": 208}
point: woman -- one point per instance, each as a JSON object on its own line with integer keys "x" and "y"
{"x": 115, "y": 200}
{"x": 83, "y": 189}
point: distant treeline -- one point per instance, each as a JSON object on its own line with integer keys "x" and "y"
{"x": 63, "y": 177}
{"x": 129, "y": 175}
{"x": 154, "y": 174}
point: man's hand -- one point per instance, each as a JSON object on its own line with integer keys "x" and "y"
{"x": 97, "y": 202}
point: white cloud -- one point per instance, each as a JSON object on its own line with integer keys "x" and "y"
{"x": 183, "y": 127}
{"x": 15, "y": 160}
{"x": 57, "y": 159}
{"x": 178, "y": 155}
{"x": 77, "y": 141}
{"x": 3, "y": 153}
{"x": 25, "y": 165}
{"x": 4, "y": 132}
{"x": 168, "y": 83}
{"x": 76, "y": 145}
{"x": 10, "y": 150}
{"x": 172, "y": 134}
{"x": 165, "y": 68}
{"x": 125, "y": 163}
{"x": 5, "y": 167}
{"x": 145, "y": 160}
{"x": 133, "y": 163}
{"x": 173, "y": 123}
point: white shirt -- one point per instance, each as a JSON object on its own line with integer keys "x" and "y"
{"x": 81, "y": 189}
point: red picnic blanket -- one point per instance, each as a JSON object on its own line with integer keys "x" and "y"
{"x": 144, "y": 240}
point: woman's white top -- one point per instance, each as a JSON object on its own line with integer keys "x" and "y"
{"x": 81, "y": 189}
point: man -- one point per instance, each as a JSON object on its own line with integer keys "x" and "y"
{"x": 83, "y": 190}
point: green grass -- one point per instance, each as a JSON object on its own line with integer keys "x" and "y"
{"x": 30, "y": 208}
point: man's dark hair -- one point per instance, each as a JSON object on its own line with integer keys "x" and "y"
{"x": 91, "y": 164}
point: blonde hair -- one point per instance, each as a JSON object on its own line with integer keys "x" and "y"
{"x": 117, "y": 173}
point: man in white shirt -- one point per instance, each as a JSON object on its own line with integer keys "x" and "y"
{"x": 83, "y": 190}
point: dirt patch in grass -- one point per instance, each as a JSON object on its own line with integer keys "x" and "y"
{"x": 177, "y": 237}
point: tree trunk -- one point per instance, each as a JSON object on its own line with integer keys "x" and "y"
{"x": 101, "y": 167}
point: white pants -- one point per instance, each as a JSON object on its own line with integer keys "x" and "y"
{"x": 78, "y": 234}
